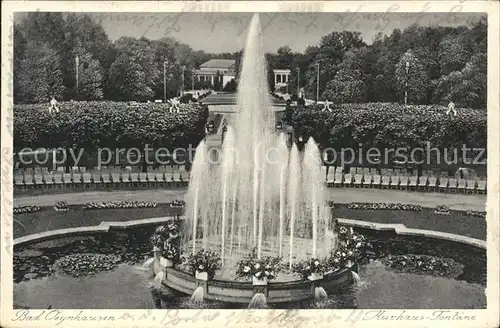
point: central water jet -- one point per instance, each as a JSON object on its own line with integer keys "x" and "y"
{"x": 246, "y": 199}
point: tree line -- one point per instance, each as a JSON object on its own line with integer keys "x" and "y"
{"x": 432, "y": 64}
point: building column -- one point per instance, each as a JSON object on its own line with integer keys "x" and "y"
{"x": 275, "y": 78}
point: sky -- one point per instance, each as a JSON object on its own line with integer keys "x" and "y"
{"x": 225, "y": 32}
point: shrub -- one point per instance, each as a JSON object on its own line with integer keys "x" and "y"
{"x": 186, "y": 98}
{"x": 389, "y": 125}
{"x": 91, "y": 125}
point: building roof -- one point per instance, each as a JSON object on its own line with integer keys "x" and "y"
{"x": 218, "y": 63}
{"x": 281, "y": 70}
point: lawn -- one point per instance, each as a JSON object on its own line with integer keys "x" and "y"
{"x": 48, "y": 219}
{"x": 456, "y": 222}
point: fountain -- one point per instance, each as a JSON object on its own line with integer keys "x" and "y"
{"x": 258, "y": 194}
{"x": 255, "y": 194}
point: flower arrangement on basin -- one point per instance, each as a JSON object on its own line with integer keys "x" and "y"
{"x": 442, "y": 209}
{"x": 351, "y": 248}
{"x": 259, "y": 270}
{"x": 203, "y": 264}
{"x": 165, "y": 240}
{"x": 312, "y": 269}
{"x": 384, "y": 206}
{"x": 61, "y": 206}
{"x": 118, "y": 205}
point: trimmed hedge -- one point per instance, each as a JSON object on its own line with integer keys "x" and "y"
{"x": 390, "y": 125}
{"x": 91, "y": 125}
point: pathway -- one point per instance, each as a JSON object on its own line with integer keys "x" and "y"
{"x": 339, "y": 195}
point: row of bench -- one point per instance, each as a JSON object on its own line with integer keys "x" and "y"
{"x": 334, "y": 177}
{"x": 429, "y": 182}
{"x": 95, "y": 179}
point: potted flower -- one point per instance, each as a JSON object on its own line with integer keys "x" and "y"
{"x": 312, "y": 269}
{"x": 203, "y": 264}
{"x": 259, "y": 270}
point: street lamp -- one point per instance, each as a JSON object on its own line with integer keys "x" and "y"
{"x": 165, "y": 80}
{"x": 298, "y": 82}
{"x": 182, "y": 78}
{"x": 317, "y": 82}
{"x": 192, "y": 81}
{"x": 406, "y": 83}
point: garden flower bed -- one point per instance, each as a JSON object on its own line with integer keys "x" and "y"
{"x": 384, "y": 206}
{"x": 424, "y": 264}
{"x": 442, "y": 209}
{"x": 26, "y": 209}
{"x": 85, "y": 264}
{"x": 61, "y": 206}
{"x": 480, "y": 214}
{"x": 119, "y": 205}
{"x": 178, "y": 203}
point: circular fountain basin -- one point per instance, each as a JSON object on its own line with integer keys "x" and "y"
{"x": 380, "y": 287}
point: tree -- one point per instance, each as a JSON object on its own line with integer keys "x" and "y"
{"x": 453, "y": 55}
{"x": 329, "y": 55}
{"x": 414, "y": 80}
{"x": 134, "y": 73}
{"x": 40, "y": 76}
{"x": 346, "y": 87}
{"x": 91, "y": 77}
{"x": 128, "y": 80}
{"x": 19, "y": 52}
{"x": 84, "y": 36}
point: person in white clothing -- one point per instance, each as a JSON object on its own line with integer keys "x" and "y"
{"x": 327, "y": 106}
{"x": 451, "y": 108}
{"x": 53, "y": 106}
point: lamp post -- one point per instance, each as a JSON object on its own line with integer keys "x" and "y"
{"x": 317, "y": 82}
{"x": 298, "y": 82}
{"x": 165, "y": 80}
{"x": 406, "y": 83}
{"x": 182, "y": 79}
{"x": 77, "y": 63}
{"x": 192, "y": 81}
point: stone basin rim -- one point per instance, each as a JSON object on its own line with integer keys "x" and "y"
{"x": 107, "y": 226}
